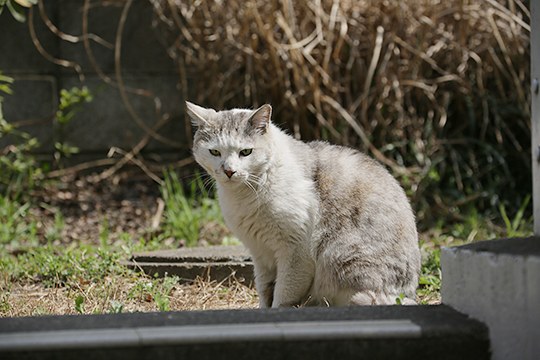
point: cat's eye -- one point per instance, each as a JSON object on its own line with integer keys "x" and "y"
{"x": 246, "y": 152}
{"x": 215, "y": 152}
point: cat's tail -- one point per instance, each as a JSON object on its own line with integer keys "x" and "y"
{"x": 378, "y": 298}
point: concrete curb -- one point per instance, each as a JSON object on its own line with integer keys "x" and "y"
{"x": 394, "y": 332}
{"x": 214, "y": 263}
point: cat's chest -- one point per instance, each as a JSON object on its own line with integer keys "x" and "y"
{"x": 280, "y": 214}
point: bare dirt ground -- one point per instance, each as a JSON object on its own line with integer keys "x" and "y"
{"x": 123, "y": 205}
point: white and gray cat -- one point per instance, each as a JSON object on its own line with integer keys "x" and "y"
{"x": 325, "y": 224}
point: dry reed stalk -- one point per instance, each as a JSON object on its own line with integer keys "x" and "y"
{"x": 397, "y": 79}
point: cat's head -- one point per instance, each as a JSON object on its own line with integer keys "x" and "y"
{"x": 233, "y": 146}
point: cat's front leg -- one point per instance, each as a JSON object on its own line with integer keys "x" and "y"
{"x": 295, "y": 273}
{"x": 265, "y": 279}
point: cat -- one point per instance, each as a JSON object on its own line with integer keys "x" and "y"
{"x": 325, "y": 225}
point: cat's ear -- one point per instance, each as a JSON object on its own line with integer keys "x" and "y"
{"x": 199, "y": 116}
{"x": 260, "y": 119}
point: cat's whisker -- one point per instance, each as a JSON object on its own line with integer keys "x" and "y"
{"x": 253, "y": 189}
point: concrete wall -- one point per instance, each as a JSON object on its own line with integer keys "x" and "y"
{"x": 105, "y": 122}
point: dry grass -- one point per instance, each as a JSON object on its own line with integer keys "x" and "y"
{"x": 107, "y": 295}
{"x": 436, "y": 90}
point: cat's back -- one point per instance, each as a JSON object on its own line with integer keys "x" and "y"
{"x": 338, "y": 169}
{"x": 356, "y": 191}
{"x": 366, "y": 237}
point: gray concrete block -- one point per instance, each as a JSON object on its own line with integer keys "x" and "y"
{"x": 18, "y": 55}
{"x": 103, "y": 19}
{"x": 213, "y": 262}
{"x": 106, "y": 122}
{"x": 532, "y": 300}
{"x": 32, "y": 106}
{"x": 497, "y": 282}
{"x": 187, "y": 272}
{"x": 214, "y": 254}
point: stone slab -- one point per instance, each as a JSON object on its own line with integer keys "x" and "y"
{"x": 187, "y": 272}
{"x": 213, "y": 262}
{"x": 498, "y": 283}
{"x": 396, "y": 332}
{"x": 195, "y": 254}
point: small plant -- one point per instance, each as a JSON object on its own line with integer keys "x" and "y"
{"x": 519, "y": 225}
{"x": 56, "y": 266}
{"x": 430, "y": 277}
{"x": 5, "y": 292}
{"x": 79, "y": 304}
{"x": 104, "y": 233}
{"x": 71, "y": 102}
{"x": 16, "y": 8}
{"x": 186, "y": 212}
{"x": 156, "y": 290}
{"x": 116, "y": 307}
{"x": 162, "y": 292}
{"x": 54, "y": 233}
{"x": 16, "y": 228}
{"x": 18, "y": 169}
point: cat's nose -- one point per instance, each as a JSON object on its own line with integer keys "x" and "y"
{"x": 229, "y": 173}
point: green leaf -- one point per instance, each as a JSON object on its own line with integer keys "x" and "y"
{"x": 26, "y": 3}
{"x": 5, "y": 78}
{"x": 17, "y": 11}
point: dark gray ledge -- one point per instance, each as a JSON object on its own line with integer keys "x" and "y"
{"x": 396, "y": 332}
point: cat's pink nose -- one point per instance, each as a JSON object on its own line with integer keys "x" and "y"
{"x": 229, "y": 173}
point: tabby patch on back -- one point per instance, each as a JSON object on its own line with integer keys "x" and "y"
{"x": 325, "y": 224}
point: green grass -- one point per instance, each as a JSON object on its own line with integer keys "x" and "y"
{"x": 186, "y": 211}
{"x": 25, "y": 258}
{"x": 57, "y": 266}
{"x": 16, "y": 227}
{"x": 473, "y": 227}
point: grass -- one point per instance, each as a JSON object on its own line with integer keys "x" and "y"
{"x": 188, "y": 211}
{"x": 87, "y": 279}
{"x": 37, "y": 276}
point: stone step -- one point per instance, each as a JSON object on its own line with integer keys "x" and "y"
{"x": 391, "y": 332}
{"x": 214, "y": 263}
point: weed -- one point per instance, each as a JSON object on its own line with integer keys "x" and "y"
{"x": 186, "y": 212}
{"x": 16, "y": 228}
{"x": 62, "y": 266}
{"x": 116, "y": 307}
{"x": 18, "y": 170}
{"x": 71, "y": 102}
{"x": 430, "y": 276}
{"x": 104, "y": 233}
{"x": 5, "y": 292}
{"x": 79, "y": 304}
{"x": 519, "y": 226}
{"x": 16, "y": 8}
{"x": 54, "y": 233}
